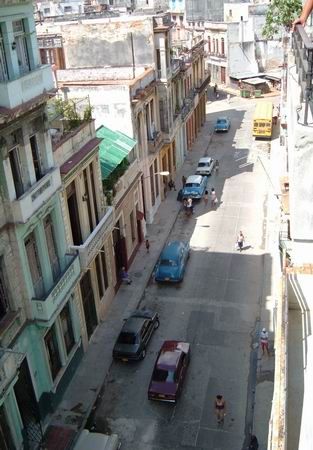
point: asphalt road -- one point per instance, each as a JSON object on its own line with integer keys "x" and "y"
{"x": 216, "y": 309}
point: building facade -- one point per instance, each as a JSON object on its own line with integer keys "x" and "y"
{"x": 39, "y": 323}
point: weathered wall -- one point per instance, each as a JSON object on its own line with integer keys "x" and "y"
{"x": 108, "y": 43}
{"x": 300, "y": 141}
{"x": 111, "y": 105}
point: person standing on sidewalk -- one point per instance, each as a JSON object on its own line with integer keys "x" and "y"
{"x": 220, "y": 408}
{"x": 147, "y": 245}
{"x": 213, "y": 198}
{"x": 240, "y": 241}
{"x": 264, "y": 341}
{"x": 216, "y": 167}
{"x": 206, "y": 197}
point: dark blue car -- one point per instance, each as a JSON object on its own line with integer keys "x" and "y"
{"x": 172, "y": 262}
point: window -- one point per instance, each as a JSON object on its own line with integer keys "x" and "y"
{"x": 52, "y": 249}
{"x": 53, "y": 352}
{"x": 34, "y": 265}
{"x": 46, "y": 11}
{"x": 3, "y": 62}
{"x": 230, "y": 13}
{"x": 102, "y": 275}
{"x": 4, "y": 300}
{"x": 158, "y": 59}
{"x": 181, "y": 18}
{"x": 223, "y": 46}
{"x": 74, "y": 214}
{"x": 132, "y": 226}
{"x": 156, "y": 178}
{"x": 21, "y": 46}
{"x": 67, "y": 9}
{"x": 87, "y": 199}
{"x": 93, "y": 188}
{"x": 217, "y": 46}
{"x": 174, "y": 18}
{"x": 152, "y": 186}
{"x": 67, "y": 328}
{"x": 36, "y": 157}
{"x": 15, "y": 163}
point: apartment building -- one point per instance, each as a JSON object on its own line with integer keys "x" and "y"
{"x": 291, "y": 412}
{"x": 88, "y": 221}
{"x": 40, "y": 335}
{"x": 132, "y": 88}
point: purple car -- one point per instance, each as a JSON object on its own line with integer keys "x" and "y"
{"x": 169, "y": 371}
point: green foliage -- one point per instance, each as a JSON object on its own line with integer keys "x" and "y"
{"x": 68, "y": 111}
{"x": 281, "y": 14}
{"x": 111, "y": 180}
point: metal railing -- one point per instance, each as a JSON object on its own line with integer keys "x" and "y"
{"x": 303, "y": 51}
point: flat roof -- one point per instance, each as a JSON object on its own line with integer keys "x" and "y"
{"x": 256, "y": 80}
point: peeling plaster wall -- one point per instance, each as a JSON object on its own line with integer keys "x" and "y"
{"x": 108, "y": 43}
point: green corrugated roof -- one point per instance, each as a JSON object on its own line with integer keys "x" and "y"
{"x": 113, "y": 148}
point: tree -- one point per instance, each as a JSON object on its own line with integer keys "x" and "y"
{"x": 280, "y": 14}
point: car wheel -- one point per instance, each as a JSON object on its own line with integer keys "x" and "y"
{"x": 143, "y": 354}
{"x": 156, "y": 324}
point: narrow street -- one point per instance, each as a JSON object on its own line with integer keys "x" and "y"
{"x": 216, "y": 308}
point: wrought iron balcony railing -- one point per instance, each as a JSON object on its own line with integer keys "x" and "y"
{"x": 303, "y": 51}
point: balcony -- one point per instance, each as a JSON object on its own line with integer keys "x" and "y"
{"x": 88, "y": 250}
{"x": 26, "y": 205}
{"x": 27, "y": 87}
{"x": 44, "y": 308}
{"x": 176, "y": 65}
{"x": 9, "y": 365}
{"x": 155, "y": 144}
{"x": 303, "y": 51}
{"x": 203, "y": 83}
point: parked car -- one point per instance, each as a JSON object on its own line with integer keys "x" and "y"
{"x": 205, "y": 166}
{"x": 97, "y": 441}
{"x": 195, "y": 186}
{"x": 169, "y": 371}
{"x": 222, "y": 124}
{"x": 172, "y": 262}
{"x": 135, "y": 334}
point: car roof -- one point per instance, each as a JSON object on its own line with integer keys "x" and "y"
{"x": 206, "y": 159}
{"x": 169, "y": 355}
{"x": 222, "y": 118}
{"x": 143, "y": 313}
{"x": 194, "y": 179}
{"x": 133, "y": 325}
{"x": 172, "y": 249}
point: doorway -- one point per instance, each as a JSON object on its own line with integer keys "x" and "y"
{"x": 88, "y": 304}
{"x": 28, "y": 407}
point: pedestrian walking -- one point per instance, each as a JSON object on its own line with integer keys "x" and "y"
{"x": 228, "y": 98}
{"x": 189, "y": 206}
{"x": 183, "y": 180}
{"x": 240, "y": 241}
{"x": 171, "y": 185}
{"x": 124, "y": 276}
{"x": 147, "y": 245}
{"x": 264, "y": 341}
{"x": 217, "y": 166}
{"x": 220, "y": 408}
{"x": 206, "y": 197}
{"x": 214, "y": 200}
{"x": 215, "y": 89}
{"x": 254, "y": 444}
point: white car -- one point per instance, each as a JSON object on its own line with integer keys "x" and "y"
{"x": 205, "y": 166}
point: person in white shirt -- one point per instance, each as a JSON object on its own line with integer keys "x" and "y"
{"x": 264, "y": 341}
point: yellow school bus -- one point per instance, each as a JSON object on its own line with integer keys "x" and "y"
{"x": 263, "y": 120}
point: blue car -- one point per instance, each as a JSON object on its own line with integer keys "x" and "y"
{"x": 195, "y": 186}
{"x": 172, "y": 262}
{"x": 222, "y": 124}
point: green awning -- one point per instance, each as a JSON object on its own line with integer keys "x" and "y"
{"x": 114, "y": 147}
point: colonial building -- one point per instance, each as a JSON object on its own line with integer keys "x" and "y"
{"x": 88, "y": 221}
{"x": 40, "y": 333}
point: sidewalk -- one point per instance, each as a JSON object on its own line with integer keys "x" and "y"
{"x": 84, "y": 388}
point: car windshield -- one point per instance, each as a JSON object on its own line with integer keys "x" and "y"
{"x": 168, "y": 262}
{"x": 162, "y": 375}
{"x": 203, "y": 164}
{"x": 192, "y": 185}
{"x": 127, "y": 338}
{"x": 221, "y": 121}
